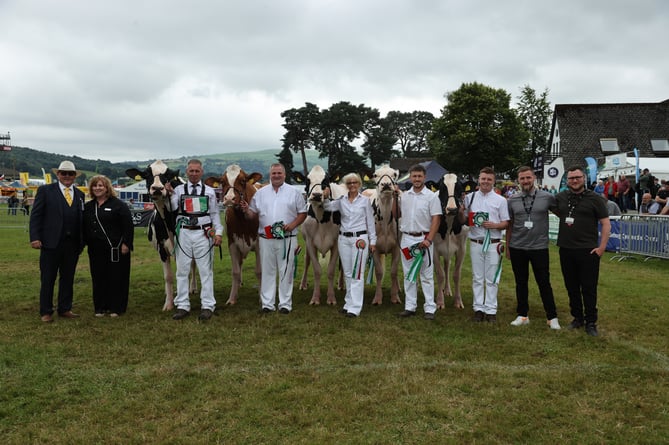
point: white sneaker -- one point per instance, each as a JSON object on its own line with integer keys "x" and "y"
{"x": 519, "y": 321}
{"x": 553, "y": 323}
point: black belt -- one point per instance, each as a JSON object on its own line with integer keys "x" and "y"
{"x": 480, "y": 241}
{"x": 262, "y": 235}
{"x": 351, "y": 234}
{"x": 203, "y": 226}
{"x": 416, "y": 233}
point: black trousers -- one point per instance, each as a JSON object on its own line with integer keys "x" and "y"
{"x": 520, "y": 262}
{"x": 580, "y": 270}
{"x": 111, "y": 280}
{"x": 52, "y": 263}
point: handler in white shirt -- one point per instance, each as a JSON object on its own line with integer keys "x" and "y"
{"x": 280, "y": 209}
{"x": 357, "y": 237}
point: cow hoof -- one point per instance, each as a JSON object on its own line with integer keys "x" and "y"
{"x": 332, "y": 301}
{"x": 396, "y": 300}
{"x": 315, "y": 302}
{"x": 376, "y": 302}
{"x": 458, "y": 304}
{"x": 231, "y": 302}
{"x": 168, "y": 307}
{"x": 441, "y": 306}
{"x": 303, "y": 287}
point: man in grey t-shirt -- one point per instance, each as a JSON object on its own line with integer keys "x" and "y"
{"x": 527, "y": 241}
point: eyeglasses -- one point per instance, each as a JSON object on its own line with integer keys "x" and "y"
{"x": 67, "y": 173}
{"x": 574, "y": 178}
{"x": 351, "y": 183}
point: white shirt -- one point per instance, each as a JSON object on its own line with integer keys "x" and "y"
{"x": 214, "y": 218}
{"x": 493, "y": 204}
{"x": 417, "y": 210}
{"x": 274, "y": 206}
{"x": 356, "y": 216}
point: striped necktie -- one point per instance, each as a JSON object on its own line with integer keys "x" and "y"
{"x": 68, "y": 196}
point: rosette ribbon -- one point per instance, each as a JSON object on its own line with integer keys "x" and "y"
{"x": 370, "y": 269}
{"x": 498, "y": 272}
{"x": 356, "y": 273}
{"x": 417, "y": 263}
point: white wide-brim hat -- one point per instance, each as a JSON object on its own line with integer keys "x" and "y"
{"x": 66, "y": 166}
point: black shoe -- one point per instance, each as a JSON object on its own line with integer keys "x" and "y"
{"x": 265, "y": 310}
{"x": 491, "y": 318}
{"x": 406, "y": 313}
{"x": 205, "y": 315}
{"x": 350, "y": 315}
{"x": 591, "y": 329}
{"x": 478, "y": 316}
{"x": 284, "y": 311}
{"x": 343, "y": 311}
{"x": 180, "y": 314}
{"x": 575, "y": 324}
{"x": 429, "y": 316}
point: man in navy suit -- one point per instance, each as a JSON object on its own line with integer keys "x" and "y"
{"x": 56, "y": 229}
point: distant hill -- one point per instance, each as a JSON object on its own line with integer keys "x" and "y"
{"x": 23, "y": 159}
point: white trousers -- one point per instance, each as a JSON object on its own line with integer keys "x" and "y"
{"x": 277, "y": 257}
{"x": 355, "y": 286}
{"x": 484, "y": 267}
{"x": 194, "y": 244}
{"x": 426, "y": 277}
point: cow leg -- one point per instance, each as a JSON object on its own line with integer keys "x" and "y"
{"x": 236, "y": 260}
{"x": 394, "y": 281}
{"x": 341, "y": 285}
{"x": 379, "y": 266}
{"x": 459, "y": 259}
{"x": 332, "y": 268}
{"x": 439, "y": 269}
{"x": 304, "y": 283}
{"x": 169, "y": 285}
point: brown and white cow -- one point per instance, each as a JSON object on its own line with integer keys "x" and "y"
{"x": 387, "y": 232}
{"x": 320, "y": 231}
{"x": 450, "y": 241}
{"x": 237, "y": 185}
{"x": 162, "y": 223}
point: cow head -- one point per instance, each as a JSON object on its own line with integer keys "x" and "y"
{"x": 315, "y": 182}
{"x": 451, "y": 192}
{"x": 385, "y": 179}
{"x": 236, "y": 185}
{"x": 156, "y": 176}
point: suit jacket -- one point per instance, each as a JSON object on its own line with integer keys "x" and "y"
{"x": 46, "y": 218}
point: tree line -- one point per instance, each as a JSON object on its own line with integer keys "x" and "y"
{"x": 477, "y": 127}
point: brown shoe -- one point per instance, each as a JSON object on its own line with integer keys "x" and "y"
{"x": 68, "y": 314}
{"x": 47, "y": 318}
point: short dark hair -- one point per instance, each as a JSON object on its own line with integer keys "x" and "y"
{"x": 525, "y": 168}
{"x": 487, "y": 171}
{"x": 417, "y": 168}
{"x": 576, "y": 167}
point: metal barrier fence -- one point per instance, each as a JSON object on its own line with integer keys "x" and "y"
{"x": 14, "y": 218}
{"x": 644, "y": 235}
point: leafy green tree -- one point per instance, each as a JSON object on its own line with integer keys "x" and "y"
{"x": 302, "y": 126}
{"x": 285, "y": 157}
{"x": 535, "y": 113}
{"x": 478, "y": 128}
{"x": 341, "y": 124}
{"x": 411, "y": 131}
{"x": 379, "y": 140}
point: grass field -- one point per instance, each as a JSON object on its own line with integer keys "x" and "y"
{"x": 314, "y": 377}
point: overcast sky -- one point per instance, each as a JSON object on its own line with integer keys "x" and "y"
{"x": 137, "y": 80}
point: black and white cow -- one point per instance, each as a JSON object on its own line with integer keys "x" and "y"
{"x": 162, "y": 223}
{"x": 450, "y": 241}
{"x": 320, "y": 231}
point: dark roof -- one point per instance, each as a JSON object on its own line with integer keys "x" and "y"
{"x": 404, "y": 164}
{"x": 581, "y": 126}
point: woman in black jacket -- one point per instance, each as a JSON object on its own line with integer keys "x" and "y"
{"x": 109, "y": 233}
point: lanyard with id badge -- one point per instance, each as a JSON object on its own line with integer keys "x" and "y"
{"x": 528, "y": 210}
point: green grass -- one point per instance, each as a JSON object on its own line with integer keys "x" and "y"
{"x": 315, "y": 377}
